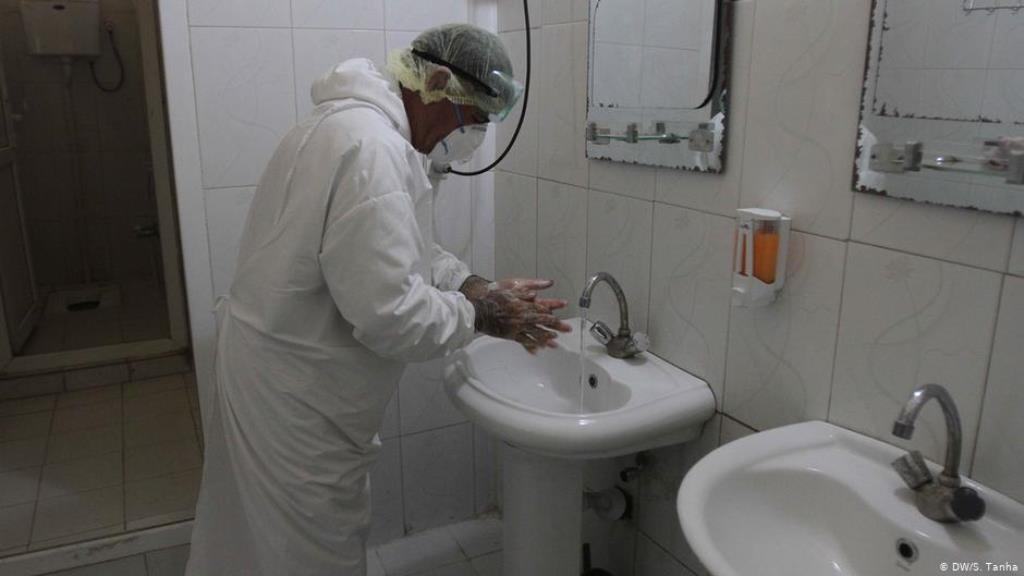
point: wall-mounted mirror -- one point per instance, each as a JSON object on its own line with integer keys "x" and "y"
{"x": 942, "y": 119}
{"x": 657, "y": 85}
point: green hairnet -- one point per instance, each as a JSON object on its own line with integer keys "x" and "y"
{"x": 471, "y": 53}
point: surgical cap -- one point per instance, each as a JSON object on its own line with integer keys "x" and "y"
{"x": 481, "y": 69}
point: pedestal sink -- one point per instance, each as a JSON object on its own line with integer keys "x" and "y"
{"x": 813, "y": 499}
{"x": 550, "y": 422}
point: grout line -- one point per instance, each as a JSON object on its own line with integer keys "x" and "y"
{"x": 984, "y": 382}
{"x": 839, "y": 324}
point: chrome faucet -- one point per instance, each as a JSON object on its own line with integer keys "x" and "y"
{"x": 942, "y": 499}
{"x": 624, "y": 344}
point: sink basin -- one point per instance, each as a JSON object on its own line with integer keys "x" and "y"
{"x": 537, "y": 402}
{"x": 816, "y": 499}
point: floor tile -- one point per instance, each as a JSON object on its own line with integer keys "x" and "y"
{"x": 24, "y": 426}
{"x": 19, "y": 486}
{"x": 137, "y": 388}
{"x": 129, "y": 566}
{"x": 80, "y": 512}
{"x": 424, "y": 551}
{"x": 15, "y": 525}
{"x": 168, "y": 562}
{"x": 158, "y": 497}
{"x": 478, "y": 537}
{"x": 373, "y": 565}
{"x": 22, "y": 453}
{"x": 177, "y": 364}
{"x": 86, "y": 417}
{"x": 149, "y": 405}
{"x": 81, "y": 475}
{"x": 87, "y": 396}
{"x": 161, "y": 459}
{"x": 489, "y": 565}
{"x": 26, "y": 406}
{"x": 463, "y": 568}
{"x": 72, "y": 445}
{"x": 176, "y": 426}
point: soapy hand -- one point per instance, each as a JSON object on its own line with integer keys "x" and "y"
{"x": 511, "y": 309}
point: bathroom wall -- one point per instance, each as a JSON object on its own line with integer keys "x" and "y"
{"x": 238, "y": 76}
{"x": 882, "y": 294}
{"x": 112, "y": 144}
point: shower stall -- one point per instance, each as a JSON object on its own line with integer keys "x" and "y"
{"x": 90, "y": 272}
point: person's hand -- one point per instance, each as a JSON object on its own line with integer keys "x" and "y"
{"x": 514, "y": 315}
{"x": 528, "y": 289}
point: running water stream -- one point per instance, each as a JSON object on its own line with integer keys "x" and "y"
{"x": 583, "y": 371}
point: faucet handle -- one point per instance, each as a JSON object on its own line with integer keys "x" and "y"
{"x": 601, "y": 332}
{"x": 967, "y": 505}
{"x": 913, "y": 469}
{"x": 641, "y": 342}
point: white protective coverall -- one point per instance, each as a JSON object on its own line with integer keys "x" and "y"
{"x": 338, "y": 284}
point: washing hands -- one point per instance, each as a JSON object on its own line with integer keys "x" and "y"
{"x": 513, "y": 309}
{"x": 999, "y": 154}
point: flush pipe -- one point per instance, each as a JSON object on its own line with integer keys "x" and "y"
{"x": 77, "y": 178}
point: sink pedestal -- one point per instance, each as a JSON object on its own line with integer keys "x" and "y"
{"x": 543, "y": 510}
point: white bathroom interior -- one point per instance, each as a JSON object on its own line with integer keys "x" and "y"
{"x": 812, "y": 210}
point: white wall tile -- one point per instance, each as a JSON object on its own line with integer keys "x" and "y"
{"x": 390, "y": 425}
{"x": 453, "y": 217}
{"x": 483, "y": 225}
{"x": 691, "y": 291}
{"x": 965, "y": 236}
{"x": 245, "y": 100}
{"x": 621, "y": 178}
{"x": 238, "y": 13}
{"x": 388, "y": 521}
{"x": 563, "y": 114}
{"x": 562, "y": 241}
{"x": 515, "y": 225}
{"x": 733, "y": 430}
{"x": 619, "y": 243}
{"x": 805, "y": 88}
{"x": 522, "y": 159}
{"x": 438, "y": 470}
{"x": 510, "y": 14}
{"x": 226, "y": 212}
{"x": 425, "y": 404}
{"x": 562, "y": 11}
{"x": 957, "y": 39}
{"x": 318, "y": 51}
{"x": 1017, "y": 252}
{"x": 1004, "y": 96}
{"x": 617, "y": 75}
{"x": 999, "y": 459}
{"x": 657, "y": 516}
{"x": 419, "y": 15}
{"x": 361, "y": 14}
{"x": 618, "y": 21}
{"x": 1008, "y": 42}
{"x": 779, "y": 368}
{"x": 908, "y": 321}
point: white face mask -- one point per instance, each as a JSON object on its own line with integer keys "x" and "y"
{"x": 459, "y": 146}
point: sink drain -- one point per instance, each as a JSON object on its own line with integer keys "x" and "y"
{"x": 906, "y": 549}
{"x": 592, "y": 381}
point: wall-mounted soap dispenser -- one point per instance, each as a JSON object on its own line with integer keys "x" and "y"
{"x": 759, "y": 259}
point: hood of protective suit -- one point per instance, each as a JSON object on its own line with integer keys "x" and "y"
{"x": 358, "y": 79}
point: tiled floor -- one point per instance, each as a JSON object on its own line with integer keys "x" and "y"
{"x": 139, "y": 314}
{"x": 99, "y": 461}
{"x": 471, "y": 548}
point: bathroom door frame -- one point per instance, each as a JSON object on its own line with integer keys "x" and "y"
{"x": 8, "y": 156}
{"x": 146, "y": 14}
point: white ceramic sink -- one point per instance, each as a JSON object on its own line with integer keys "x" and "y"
{"x": 814, "y": 499}
{"x": 537, "y": 403}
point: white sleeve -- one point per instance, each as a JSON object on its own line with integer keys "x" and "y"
{"x": 369, "y": 257}
{"x": 449, "y": 272}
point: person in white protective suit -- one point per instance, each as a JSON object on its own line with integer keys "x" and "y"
{"x": 338, "y": 285}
